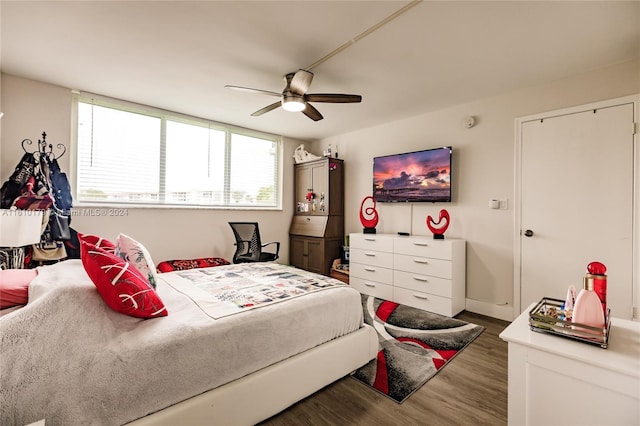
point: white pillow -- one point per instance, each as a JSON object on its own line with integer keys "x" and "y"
{"x": 137, "y": 255}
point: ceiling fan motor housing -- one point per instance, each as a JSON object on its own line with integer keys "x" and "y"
{"x": 292, "y": 102}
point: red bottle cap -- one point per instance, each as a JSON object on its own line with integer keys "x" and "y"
{"x": 596, "y": 268}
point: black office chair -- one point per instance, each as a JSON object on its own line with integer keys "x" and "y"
{"x": 248, "y": 244}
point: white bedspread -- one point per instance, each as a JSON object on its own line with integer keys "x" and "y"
{"x": 66, "y": 357}
{"x": 238, "y": 288}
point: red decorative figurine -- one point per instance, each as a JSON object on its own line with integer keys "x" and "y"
{"x": 438, "y": 228}
{"x": 371, "y": 220}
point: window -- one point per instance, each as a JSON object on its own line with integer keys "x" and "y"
{"x": 129, "y": 154}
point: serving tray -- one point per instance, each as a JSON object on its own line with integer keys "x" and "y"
{"x": 547, "y": 316}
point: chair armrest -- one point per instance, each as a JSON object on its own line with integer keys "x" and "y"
{"x": 277, "y": 243}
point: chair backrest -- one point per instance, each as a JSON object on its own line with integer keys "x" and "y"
{"x": 248, "y": 243}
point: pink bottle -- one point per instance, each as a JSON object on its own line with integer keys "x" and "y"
{"x": 588, "y": 307}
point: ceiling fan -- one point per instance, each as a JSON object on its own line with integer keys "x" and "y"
{"x": 295, "y": 98}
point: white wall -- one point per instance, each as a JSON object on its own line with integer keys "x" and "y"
{"x": 32, "y": 107}
{"x": 483, "y": 168}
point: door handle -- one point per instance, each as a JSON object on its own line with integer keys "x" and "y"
{"x": 528, "y": 233}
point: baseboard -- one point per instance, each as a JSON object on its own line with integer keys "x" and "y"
{"x": 503, "y": 312}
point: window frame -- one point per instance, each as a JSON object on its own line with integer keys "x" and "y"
{"x": 164, "y": 115}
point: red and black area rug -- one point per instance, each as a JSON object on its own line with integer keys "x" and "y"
{"x": 413, "y": 346}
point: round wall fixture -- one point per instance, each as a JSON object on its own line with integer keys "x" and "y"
{"x": 469, "y": 121}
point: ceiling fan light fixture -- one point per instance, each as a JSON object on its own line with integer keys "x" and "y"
{"x": 293, "y": 103}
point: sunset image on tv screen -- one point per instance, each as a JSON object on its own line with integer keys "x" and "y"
{"x": 413, "y": 177}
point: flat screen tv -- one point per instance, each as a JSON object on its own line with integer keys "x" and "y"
{"x": 419, "y": 176}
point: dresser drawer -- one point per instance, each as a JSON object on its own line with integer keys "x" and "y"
{"x": 371, "y": 242}
{"x": 423, "y": 283}
{"x": 371, "y": 257}
{"x": 371, "y": 272}
{"x": 426, "y": 302}
{"x": 372, "y": 288}
{"x": 422, "y": 265}
{"x": 424, "y": 247}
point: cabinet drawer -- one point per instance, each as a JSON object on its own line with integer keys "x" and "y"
{"x": 422, "y": 265}
{"x": 371, "y": 257}
{"x": 422, "y": 283}
{"x": 371, "y": 242}
{"x": 309, "y": 226}
{"x": 424, "y": 247}
{"x": 371, "y": 272}
{"x": 426, "y": 302}
{"x": 372, "y": 288}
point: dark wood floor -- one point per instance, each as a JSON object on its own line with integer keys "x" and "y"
{"x": 470, "y": 390}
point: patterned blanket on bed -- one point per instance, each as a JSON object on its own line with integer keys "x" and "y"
{"x": 231, "y": 289}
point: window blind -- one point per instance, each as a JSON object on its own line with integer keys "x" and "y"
{"x": 129, "y": 155}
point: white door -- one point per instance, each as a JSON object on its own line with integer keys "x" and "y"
{"x": 577, "y": 204}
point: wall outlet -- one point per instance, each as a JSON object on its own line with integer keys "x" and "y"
{"x": 504, "y": 205}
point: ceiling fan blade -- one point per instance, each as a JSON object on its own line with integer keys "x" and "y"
{"x": 248, "y": 89}
{"x": 333, "y": 97}
{"x": 300, "y": 82}
{"x": 312, "y": 113}
{"x": 267, "y": 109}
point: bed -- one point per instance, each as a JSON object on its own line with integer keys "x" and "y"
{"x": 70, "y": 359}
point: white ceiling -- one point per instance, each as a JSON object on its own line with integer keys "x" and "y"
{"x": 178, "y": 55}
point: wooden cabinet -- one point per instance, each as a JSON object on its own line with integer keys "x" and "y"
{"x": 325, "y": 179}
{"x": 555, "y": 380}
{"x": 317, "y": 227}
{"x": 340, "y": 274}
{"x": 421, "y": 272}
{"x": 306, "y": 253}
{"x": 312, "y": 253}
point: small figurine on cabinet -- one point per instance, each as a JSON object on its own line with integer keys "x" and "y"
{"x": 369, "y": 223}
{"x": 439, "y": 228}
{"x": 301, "y": 155}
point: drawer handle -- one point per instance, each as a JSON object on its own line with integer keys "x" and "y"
{"x": 421, "y": 244}
{"x": 369, "y": 285}
{"x": 370, "y": 254}
{"x": 369, "y": 239}
{"x": 370, "y": 269}
{"x": 422, "y": 261}
{"x": 423, "y": 280}
{"x": 419, "y": 296}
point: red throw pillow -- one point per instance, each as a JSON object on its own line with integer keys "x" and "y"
{"x": 14, "y": 286}
{"x": 120, "y": 284}
{"x": 103, "y": 243}
{"x": 183, "y": 265}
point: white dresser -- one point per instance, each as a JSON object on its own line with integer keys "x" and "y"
{"x": 416, "y": 271}
{"x": 556, "y": 380}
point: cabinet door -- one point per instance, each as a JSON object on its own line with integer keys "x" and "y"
{"x": 302, "y": 183}
{"x": 297, "y": 252}
{"x": 335, "y": 200}
{"x": 320, "y": 186}
{"x": 315, "y": 255}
